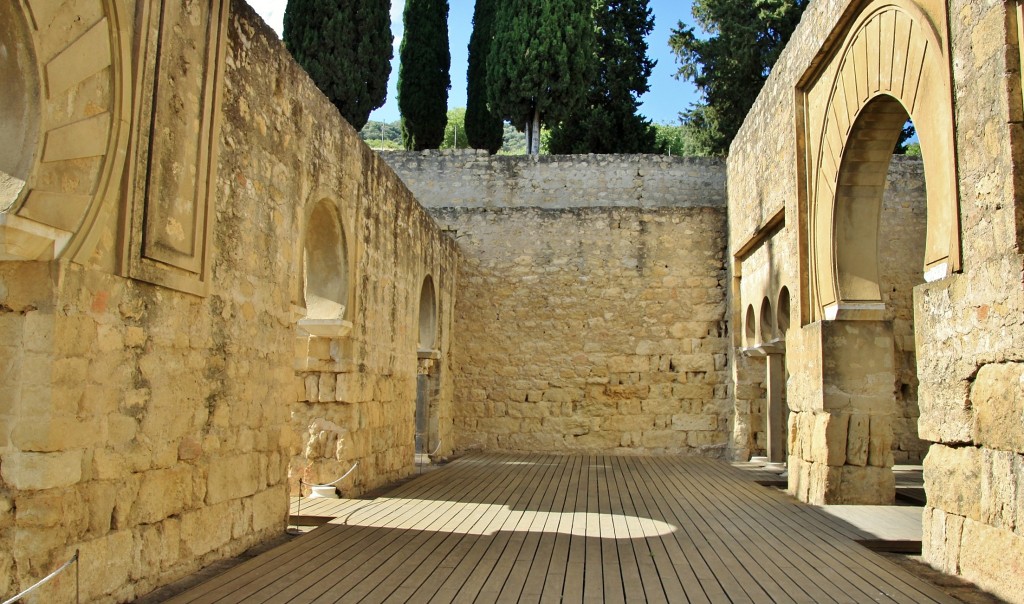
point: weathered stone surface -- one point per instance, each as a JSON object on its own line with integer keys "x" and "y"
{"x": 952, "y": 479}
{"x": 993, "y": 558}
{"x": 997, "y": 397}
{"x": 37, "y": 471}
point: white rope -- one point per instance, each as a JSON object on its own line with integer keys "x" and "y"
{"x": 329, "y": 484}
{"x": 44, "y": 581}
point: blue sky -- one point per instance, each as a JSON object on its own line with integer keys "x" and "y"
{"x": 662, "y": 104}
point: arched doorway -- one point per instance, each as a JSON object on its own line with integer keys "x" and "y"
{"x": 891, "y": 65}
{"x": 428, "y": 373}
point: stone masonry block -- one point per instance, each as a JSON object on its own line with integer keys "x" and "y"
{"x": 828, "y": 444}
{"x": 857, "y": 440}
{"x": 993, "y": 558}
{"x": 232, "y": 477}
{"x": 998, "y": 399}
{"x": 952, "y": 479}
{"x": 880, "y": 445}
{"x": 37, "y": 471}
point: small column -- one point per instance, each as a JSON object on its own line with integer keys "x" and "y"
{"x": 776, "y": 429}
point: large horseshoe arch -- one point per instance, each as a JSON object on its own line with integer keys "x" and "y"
{"x": 891, "y": 63}
{"x": 64, "y": 124}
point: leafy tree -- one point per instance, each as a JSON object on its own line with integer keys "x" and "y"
{"x": 346, "y": 47}
{"x": 540, "y": 62}
{"x": 730, "y": 66}
{"x": 483, "y": 128}
{"x": 455, "y": 131}
{"x": 610, "y": 123}
{"x": 423, "y": 78}
{"x": 382, "y": 135}
{"x": 680, "y": 140}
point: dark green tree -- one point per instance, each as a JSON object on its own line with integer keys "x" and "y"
{"x": 423, "y": 77}
{"x": 346, "y": 47}
{"x": 483, "y": 128}
{"x": 540, "y": 63}
{"x": 609, "y": 123}
{"x": 730, "y": 65}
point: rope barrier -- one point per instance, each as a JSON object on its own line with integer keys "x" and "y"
{"x": 298, "y": 512}
{"x": 50, "y": 577}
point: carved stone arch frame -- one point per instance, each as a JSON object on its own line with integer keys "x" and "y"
{"x": 322, "y": 199}
{"x": 881, "y": 51}
{"x": 83, "y": 81}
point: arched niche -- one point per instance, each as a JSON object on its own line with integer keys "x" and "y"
{"x": 767, "y": 322}
{"x": 427, "y": 316}
{"x": 19, "y": 104}
{"x": 750, "y": 327}
{"x": 783, "y": 312}
{"x": 892, "y": 64}
{"x": 325, "y": 273}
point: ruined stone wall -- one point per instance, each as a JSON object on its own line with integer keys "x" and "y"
{"x": 152, "y": 428}
{"x": 585, "y": 323}
{"x": 968, "y": 327}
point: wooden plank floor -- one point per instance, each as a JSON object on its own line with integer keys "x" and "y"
{"x": 536, "y": 528}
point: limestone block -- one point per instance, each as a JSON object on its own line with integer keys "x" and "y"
{"x": 158, "y": 546}
{"x": 312, "y": 383}
{"x": 952, "y": 480}
{"x": 1001, "y": 574}
{"x": 326, "y": 388}
{"x": 690, "y": 422}
{"x": 880, "y": 447}
{"x": 857, "y": 440}
{"x": 862, "y": 486}
{"x": 47, "y": 435}
{"x": 941, "y": 539}
{"x": 38, "y": 471}
{"x": 106, "y": 564}
{"x": 703, "y": 440}
{"x": 162, "y": 493}
{"x": 205, "y": 529}
{"x": 101, "y": 498}
{"x": 663, "y": 439}
{"x": 270, "y": 509}
{"x": 998, "y": 400}
{"x": 570, "y": 426}
{"x": 1002, "y": 478}
{"x": 828, "y": 443}
{"x": 597, "y": 440}
{"x": 232, "y": 477}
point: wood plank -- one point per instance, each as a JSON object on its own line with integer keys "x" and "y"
{"x": 547, "y": 568}
{"x": 531, "y": 528}
{"x": 539, "y": 529}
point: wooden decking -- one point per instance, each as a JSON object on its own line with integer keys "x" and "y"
{"x": 571, "y": 529}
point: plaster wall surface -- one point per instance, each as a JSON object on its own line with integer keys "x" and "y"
{"x": 591, "y": 309}
{"x": 155, "y": 429}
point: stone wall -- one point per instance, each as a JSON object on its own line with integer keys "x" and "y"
{"x": 968, "y": 326}
{"x": 474, "y": 179}
{"x": 152, "y": 428}
{"x": 586, "y": 323}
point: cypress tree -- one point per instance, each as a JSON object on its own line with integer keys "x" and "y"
{"x": 484, "y": 129}
{"x": 540, "y": 63}
{"x": 423, "y": 78}
{"x": 346, "y": 47}
{"x": 610, "y": 123}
